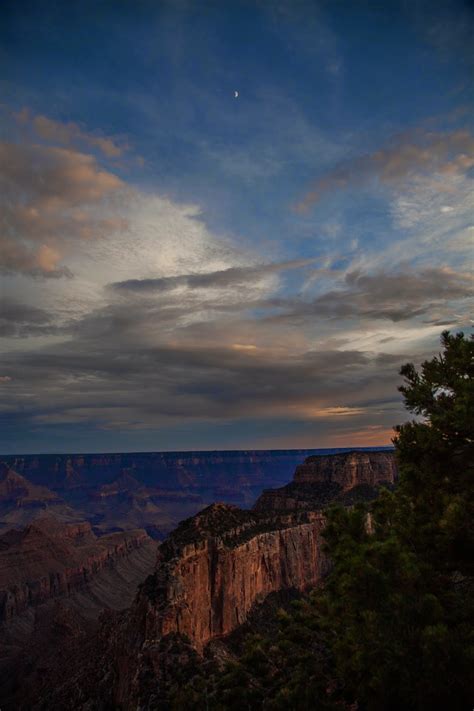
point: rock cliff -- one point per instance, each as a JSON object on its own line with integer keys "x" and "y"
{"x": 16, "y": 491}
{"x": 344, "y": 477}
{"x": 49, "y": 559}
{"x": 231, "y": 476}
{"x": 217, "y": 566}
{"x": 211, "y": 573}
{"x": 349, "y": 469}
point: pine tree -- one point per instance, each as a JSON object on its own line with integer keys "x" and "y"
{"x": 398, "y": 607}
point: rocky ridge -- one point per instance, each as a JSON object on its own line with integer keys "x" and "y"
{"x": 49, "y": 559}
{"x": 17, "y": 491}
{"x": 216, "y": 568}
{"x": 345, "y": 477}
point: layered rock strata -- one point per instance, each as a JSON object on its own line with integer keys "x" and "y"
{"x": 49, "y": 559}
{"x": 211, "y": 573}
{"x": 218, "y": 565}
{"x": 231, "y": 476}
{"x": 18, "y": 492}
{"x": 344, "y": 477}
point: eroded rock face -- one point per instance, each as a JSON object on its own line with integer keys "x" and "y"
{"x": 16, "y": 491}
{"x": 349, "y": 469}
{"x": 48, "y": 559}
{"x": 231, "y": 476}
{"x": 344, "y": 477}
{"x": 210, "y": 574}
{"x": 205, "y": 589}
{"x": 150, "y": 490}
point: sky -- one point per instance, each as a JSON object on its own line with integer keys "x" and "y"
{"x": 186, "y": 268}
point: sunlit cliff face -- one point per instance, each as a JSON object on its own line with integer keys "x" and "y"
{"x": 183, "y": 268}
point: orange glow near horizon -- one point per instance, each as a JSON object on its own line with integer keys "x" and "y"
{"x": 369, "y": 437}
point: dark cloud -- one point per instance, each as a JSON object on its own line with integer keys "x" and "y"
{"x": 118, "y": 383}
{"x": 20, "y": 320}
{"x": 395, "y": 296}
{"x": 132, "y": 362}
{"x": 222, "y": 279}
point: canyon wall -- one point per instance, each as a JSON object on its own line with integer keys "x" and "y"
{"x": 349, "y": 469}
{"x": 205, "y": 588}
{"x": 154, "y": 490}
{"x": 231, "y": 476}
{"x": 48, "y": 559}
{"x": 17, "y": 491}
{"x": 345, "y": 477}
{"x": 211, "y": 574}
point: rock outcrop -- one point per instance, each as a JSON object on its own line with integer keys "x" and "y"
{"x": 18, "y": 492}
{"x": 214, "y": 568}
{"x": 211, "y": 573}
{"x": 349, "y": 469}
{"x": 55, "y": 582}
{"x": 344, "y": 477}
{"x": 232, "y": 476}
{"x": 49, "y": 559}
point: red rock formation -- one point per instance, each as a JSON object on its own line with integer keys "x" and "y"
{"x": 349, "y": 469}
{"x": 209, "y": 575}
{"x": 151, "y": 490}
{"x": 17, "y": 491}
{"x": 124, "y": 483}
{"x": 343, "y": 477}
{"x": 232, "y": 476}
{"x": 48, "y": 559}
{"x": 205, "y": 588}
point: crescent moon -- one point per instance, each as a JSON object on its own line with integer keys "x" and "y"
{"x": 236, "y": 94}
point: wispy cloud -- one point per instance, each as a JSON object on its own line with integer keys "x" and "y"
{"x": 415, "y": 153}
{"x": 396, "y": 296}
{"x": 70, "y": 134}
{"x": 222, "y": 279}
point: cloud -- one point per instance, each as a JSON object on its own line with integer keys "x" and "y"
{"x": 222, "y": 279}
{"x": 418, "y": 153}
{"x": 18, "y": 319}
{"x": 195, "y": 329}
{"x": 118, "y": 383}
{"x": 395, "y": 296}
{"x": 52, "y": 197}
{"x": 70, "y": 133}
{"x": 143, "y": 363}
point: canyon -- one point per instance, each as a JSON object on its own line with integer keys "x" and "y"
{"x": 211, "y": 575}
{"x": 151, "y": 490}
{"x": 49, "y": 559}
{"x": 56, "y": 579}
